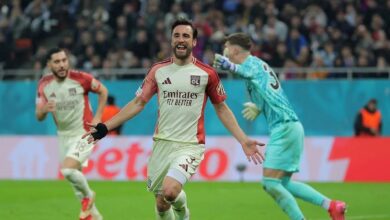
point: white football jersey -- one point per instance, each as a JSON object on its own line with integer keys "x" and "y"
{"x": 73, "y": 109}
{"x": 182, "y": 94}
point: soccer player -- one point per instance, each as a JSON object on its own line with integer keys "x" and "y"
{"x": 182, "y": 84}
{"x": 285, "y": 147}
{"x": 64, "y": 93}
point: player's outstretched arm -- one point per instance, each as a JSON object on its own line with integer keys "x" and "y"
{"x": 242, "y": 70}
{"x": 100, "y": 130}
{"x": 102, "y": 100}
{"x": 250, "y": 147}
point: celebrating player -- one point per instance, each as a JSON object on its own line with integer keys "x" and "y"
{"x": 64, "y": 93}
{"x": 285, "y": 147}
{"x": 182, "y": 84}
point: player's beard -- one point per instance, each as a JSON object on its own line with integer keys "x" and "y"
{"x": 180, "y": 55}
{"x": 61, "y": 74}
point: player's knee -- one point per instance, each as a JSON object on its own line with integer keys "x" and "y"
{"x": 161, "y": 204}
{"x": 270, "y": 186}
{"x": 170, "y": 194}
{"x": 68, "y": 172}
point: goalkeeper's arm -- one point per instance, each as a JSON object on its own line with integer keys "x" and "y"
{"x": 222, "y": 62}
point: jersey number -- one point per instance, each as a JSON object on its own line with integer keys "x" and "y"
{"x": 272, "y": 73}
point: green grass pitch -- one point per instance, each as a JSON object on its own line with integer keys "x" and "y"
{"x": 48, "y": 200}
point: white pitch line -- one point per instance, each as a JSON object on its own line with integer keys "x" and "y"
{"x": 361, "y": 217}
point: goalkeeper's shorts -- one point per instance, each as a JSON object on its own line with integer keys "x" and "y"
{"x": 76, "y": 148}
{"x": 180, "y": 159}
{"x": 284, "y": 149}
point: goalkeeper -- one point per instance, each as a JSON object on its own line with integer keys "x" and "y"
{"x": 285, "y": 147}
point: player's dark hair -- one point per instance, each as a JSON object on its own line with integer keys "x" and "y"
{"x": 183, "y": 21}
{"x": 51, "y": 52}
{"x": 241, "y": 39}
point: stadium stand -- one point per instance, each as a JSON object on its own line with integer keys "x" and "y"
{"x": 119, "y": 34}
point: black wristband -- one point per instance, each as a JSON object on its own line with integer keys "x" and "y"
{"x": 101, "y": 131}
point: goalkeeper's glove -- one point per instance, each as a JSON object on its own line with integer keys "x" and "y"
{"x": 223, "y": 63}
{"x": 250, "y": 111}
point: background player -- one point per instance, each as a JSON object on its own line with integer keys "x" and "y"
{"x": 64, "y": 93}
{"x": 285, "y": 147}
{"x": 182, "y": 84}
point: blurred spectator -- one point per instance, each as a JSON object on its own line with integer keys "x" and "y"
{"x": 318, "y": 65}
{"x": 40, "y": 58}
{"x": 343, "y": 33}
{"x": 296, "y": 43}
{"x": 368, "y": 121}
{"x": 314, "y": 17}
{"x": 381, "y": 65}
{"x": 318, "y": 38}
{"x": 173, "y": 14}
{"x": 101, "y": 14}
{"x": 18, "y": 22}
{"x": 255, "y": 31}
{"x": 102, "y": 44}
{"x": 348, "y": 60}
{"x": 328, "y": 54}
{"x": 140, "y": 46}
{"x": 351, "y": 14}
{"x": 5, "y": 52}
{"x": 276, "y": 26}
{"x": 109, "y": 111}
{"x": 281, "y": 55}
{"x": 342, "y": 24}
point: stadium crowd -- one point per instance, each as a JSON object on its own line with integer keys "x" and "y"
{"x": 106, "y": 34}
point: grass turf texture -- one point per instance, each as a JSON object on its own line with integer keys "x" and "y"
{"x": 22, "y": 200}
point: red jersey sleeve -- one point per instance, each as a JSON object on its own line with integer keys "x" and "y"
{"x": 87, "y": 81}
{"x": 215, "y": 89}
{"x": 41, "y": 98}
{"x": 148, "y": 87}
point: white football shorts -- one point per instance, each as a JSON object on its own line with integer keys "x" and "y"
{"x": 177, "y": 160}
{"x": 76, "y": 148}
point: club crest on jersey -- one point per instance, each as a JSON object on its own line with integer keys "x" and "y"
{"x": 72, "y": 91}
{"x": 195, "y": 80}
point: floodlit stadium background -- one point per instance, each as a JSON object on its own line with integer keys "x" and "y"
{"x": 331, "y": 58}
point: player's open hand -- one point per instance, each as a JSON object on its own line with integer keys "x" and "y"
{"x": 252, "y": 151}
{"x": 97, "y": 132}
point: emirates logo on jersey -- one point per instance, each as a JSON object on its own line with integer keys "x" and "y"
{"x": 195, "y": 80}
{"x": 179, "y": 98}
